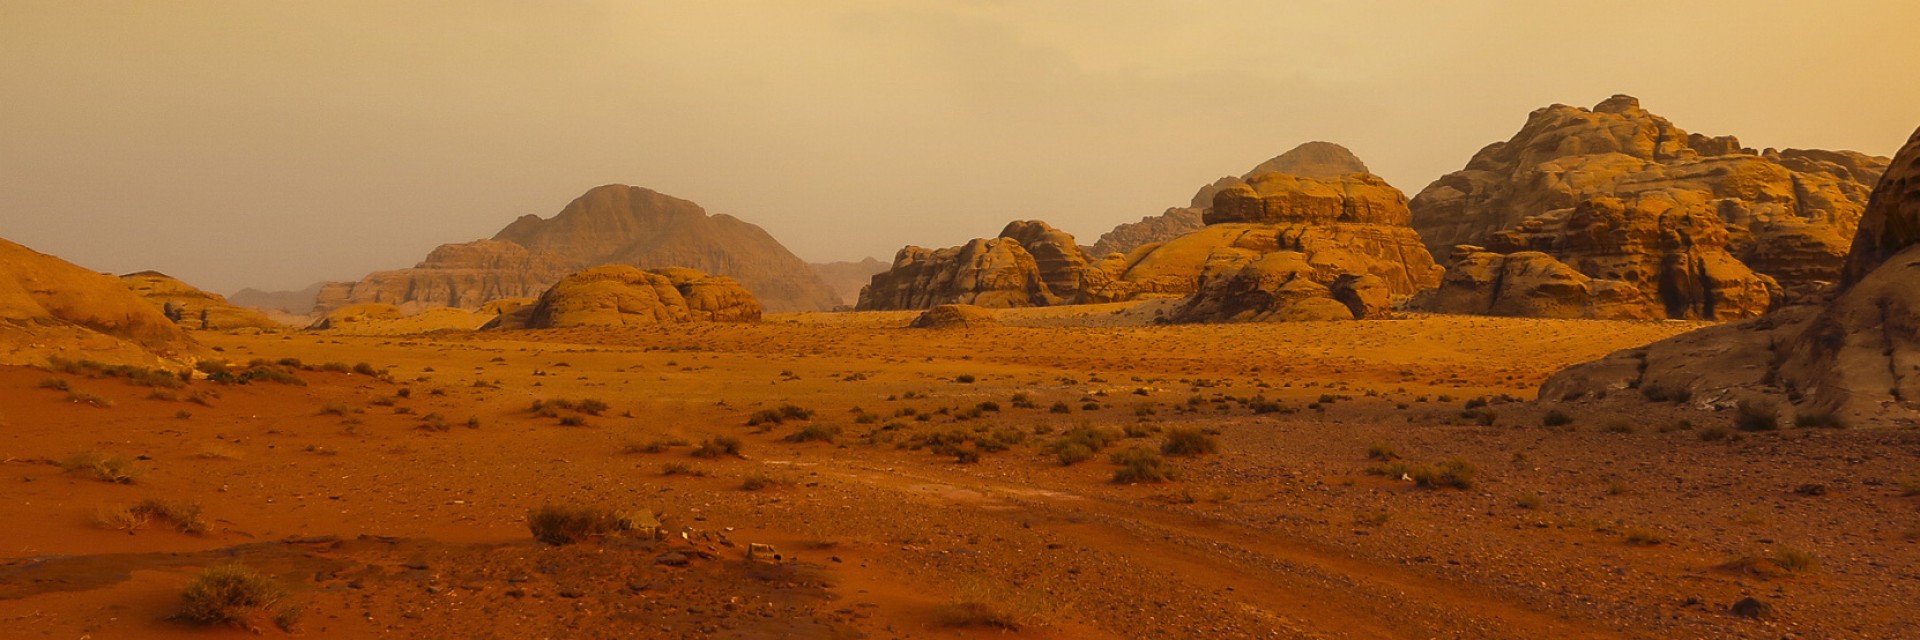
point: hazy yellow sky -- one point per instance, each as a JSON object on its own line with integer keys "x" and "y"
{"x": 273, "y": 144}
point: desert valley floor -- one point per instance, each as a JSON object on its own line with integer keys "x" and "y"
{"x": 913, "y": 487}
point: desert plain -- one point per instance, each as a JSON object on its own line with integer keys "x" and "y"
{"x": 911, "y": 484}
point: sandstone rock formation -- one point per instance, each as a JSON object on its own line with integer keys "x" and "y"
{"x": 1698, "y": 224}
{"x": 193, "y": 308}
{"x": 847, "y": 278}
{"x": 355, "y": 314}
{"x": 1274, "y": 248}
{"x": 1310, "y": 160}
{"x": 613, "y": 224}
{"x": 1029, "y": 264}
{"x": 624, "y": 296}
{"x": 50, "y": 307}
{"x": 955, "y": 316}
{"x": 1855, "y": 358}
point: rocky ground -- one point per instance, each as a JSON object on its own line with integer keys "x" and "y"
{"x": 932, "y": 501}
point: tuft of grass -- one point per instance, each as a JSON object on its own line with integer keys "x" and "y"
{"x": 762, "y": 480}
{"x": 562, "y": 525}
{"x": 1795, "y": 561}
{"x": 1142, "y": 465}
{"x": 779, "y": 415}
{"x": 89, "y": 399}
{"x": 1528, "y": 501}
{"x": 717, "y": 446}
{"x": 1189, "y": 442}
{"x": 233, "y": 594}
{"x": 814, "y": 433}
{"x": 100, "y": 466}
{"x": 681, "y": 469}
{"x": 1453, "y": 473}
{"x": 56, "y": 384}
{"x": 1382, "y": 453}
{"x": 1072, "y": 453}
{"x": 1645, "y": 537}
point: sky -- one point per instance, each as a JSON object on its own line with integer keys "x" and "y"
{"x": 275, "y": 144}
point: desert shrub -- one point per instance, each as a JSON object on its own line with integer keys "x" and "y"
{"x": 591, "y": 406}
{"x": 761, "y": 480}
{"x": 814, "y": 433}
{"x": 1528, "y": 501}
{"x": 1666, "y": 392}
{"x": 1795, "y": 561}
{"x": 1820, "y": 419}
{"x": 561, "y": 525}
{"x": 1189, "y": 442}
{"x": 366, "y": 369}
{"x": 183, "y": 516}
{"x": 779, "y": 415}
{"x": 1382, "y": 452}
{"x": 1060, "y": 406}
{"x": 573, "y": 421}
{"x": 1619, "y": 426}
{"x": 717, "y": 446}
{"x": 56, "y": 384}
{"x": 233, "y": 594}
{"x": 334, "y": 408}
{"x": 1140, "y": 464}
{"x": 681, "y": 469}
{"x": 1556, "y": 418}
{"x": 1072, "y": 453}
{"x": 1644, "y": 537}
{"x": 963, "y": 378}
{"x": 1752, "y": 415}
{"x": 1452, "y": 473}
{"x": 1024, "y": 401}
{"x": 103, "y": 467}
{"x": 1091, "y": 439}
{"x": 1711, "y": 434}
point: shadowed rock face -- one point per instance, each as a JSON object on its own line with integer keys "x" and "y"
{"x": 614, "y": 224}
{"x": 50, "y": 307}
{"x": 1616, "y": 192}
{"x": 620, "y": 295}
{"x": 190, "y": 307}
{"x": 1856, "y": 357}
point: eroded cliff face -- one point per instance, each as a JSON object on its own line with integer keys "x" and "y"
{"x": 1854, "y": 358}
{"x": 1309, "y": 160}
{"x": 1698, "y": 224}
{"x": 614, "y": 224}
{"x": 53, "y": 308}
{"x": 1029, "y": 264}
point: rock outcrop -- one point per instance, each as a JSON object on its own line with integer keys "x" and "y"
{"x": 1622, "y": 195}
{"x": 955, "y": 316}
{"x": 50, "y": 307}
{"x": 1309, "y": 160}
{"x": 1854, "y": 359}
{"x": 1276, "y": 247}
{"x": 1030, "y": 264}
{"x": 624, "y": 296}
{"x": 193, "y": 308}
{"x": 614, "y": 224}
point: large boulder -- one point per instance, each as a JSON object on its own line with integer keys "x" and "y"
{"x": 624, "y": 296}
{"x": 1029, "y": 264}
{"x": 955, "y": 316}
{"x": 613, "y": 224}
{"x": 50, "y": 307}
{"x": 1855, "y": 358}
{"x": 1281, "y": 286}
{"x": 193, "y": 308}
{"x": 1621, "y": 194}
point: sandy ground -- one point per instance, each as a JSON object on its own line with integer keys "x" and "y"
{"x": 385, "y": 525}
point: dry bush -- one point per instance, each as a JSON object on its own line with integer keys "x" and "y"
{"x": 235, "y": 595}
{"x": 1140, "y": 464}
{"x": 561, "y": 525}
{"x": 1189, "y": 442}
{"x": 100, "y": 466}
{"x": 717, "y": 446}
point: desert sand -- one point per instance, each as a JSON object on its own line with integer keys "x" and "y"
{"x": 933, "y": 501}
